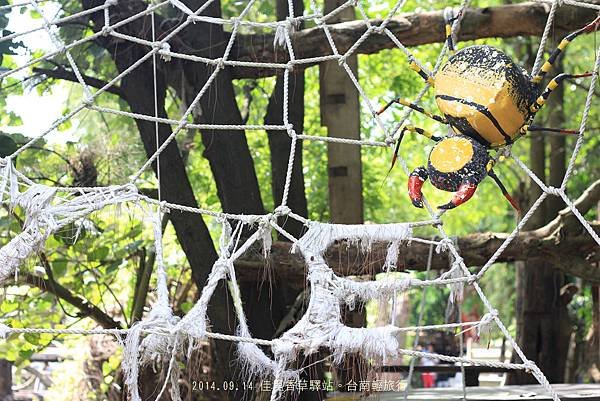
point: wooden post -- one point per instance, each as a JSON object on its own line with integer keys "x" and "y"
{"x": 340, "y": 113}
{"x": 6, "y": 393}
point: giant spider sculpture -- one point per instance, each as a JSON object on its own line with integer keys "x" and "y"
{"x": 489, "y": 102}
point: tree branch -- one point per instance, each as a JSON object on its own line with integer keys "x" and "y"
{"x": 411, "y": 29}
{"x": 50, "y": 285}
{"x": 62, "y": 73}
{"x": 85, "y": 307}
{"x": 564, "y": 242}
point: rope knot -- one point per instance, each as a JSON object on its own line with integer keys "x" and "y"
{"x": 165, "y": 48}
{"x": 109, "y": 3}
{"x": 342, "y": 60}
{"x": 485, "y": 324}
{"x": 554, "y": 191}
{"x": 106, "y": 29}
{"x": 4, "y": 331}
{"x": 379, "y": 29}
{"x": 529, "y": 366}
{"x": 281, "y": 210}
{"x": 444, "y": 245}
{"x": 220, "y": 63}
{"x": 389, "y": 140}
{"x": 288, "y": 25}
{"x": 163, "y": 207}
{"x": 88, "y": 101}
{"x": 221, "y": 268}
{"x": 130, "y": 187}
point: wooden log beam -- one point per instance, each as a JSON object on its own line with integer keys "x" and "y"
{"x": 573, "y": 255}
{"x": 411, "y": 29}
{"x": 563, "y": 241}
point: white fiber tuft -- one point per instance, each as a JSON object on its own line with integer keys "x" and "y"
{"x": 321, "y": 235}
{"x": 378, "y": 343}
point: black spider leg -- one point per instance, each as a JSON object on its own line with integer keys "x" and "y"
{"x": 537, "y": 128}
{"x": 449, "y": 19}
{"x": 591, "y": 27}
{"x": 510, "y": 199}
{"x": 415, "y": 107}
{"x": 410, "y": 128}
{"x": 552, "y": 85}
{"x": 541, "y": 101}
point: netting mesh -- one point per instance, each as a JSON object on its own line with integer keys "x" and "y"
{"x": 162, "y": 337}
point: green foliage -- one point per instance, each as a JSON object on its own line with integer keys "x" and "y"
{"x": 7, "y": 145}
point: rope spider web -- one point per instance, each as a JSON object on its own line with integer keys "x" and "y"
{"x": 161, "y": 336}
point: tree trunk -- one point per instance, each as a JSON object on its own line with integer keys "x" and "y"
{"x": 591, "y": 348}
{"x": 543, "y": 328}
{"x": 6, "y": 393}
{"x": 226, "y": 150}
{"x": 280, "y": 146}
{"x": 283, "y": 294}
{"x": 192, "y": 233}
{"x": 340, "y": 113}
{"x": 280, "y": 142}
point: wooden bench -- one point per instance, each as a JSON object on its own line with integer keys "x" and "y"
{"x": 471, "y": 372}
{"x": 531, "y": 392}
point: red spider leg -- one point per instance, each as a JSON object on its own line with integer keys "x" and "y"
{"x": 510, "y": 199}
{"x": 464, "y": 193}
{"x": 415, "y": 184}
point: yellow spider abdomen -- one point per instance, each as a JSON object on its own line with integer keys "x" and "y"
{"x": 484, "y": 94}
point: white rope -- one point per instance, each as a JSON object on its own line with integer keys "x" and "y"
{"x": 51, "y": 55}
{"x": 55, "y": 22}
{"x": 540, "y": 53}
{"x": 413, "y": 360}
{"x": 205, "y": 87}
{"x": 164, "y": 337}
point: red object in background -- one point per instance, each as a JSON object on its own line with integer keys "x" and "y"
{"x": 428, "y": 380}
{"x": 471, "y": 316}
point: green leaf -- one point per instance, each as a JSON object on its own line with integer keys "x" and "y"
{"x": 9, "y": 306}
{"x": 70, "y": 234}
{"x": 113, "y": 267}
{"x": 26, "y": 353}
{"x": 7, "y": 145}
{"x": 59, "y": 267}
{"x": 186, "y": 306}
{"x": 134, "y": 246}
{"x": 12, "y": 354}
{"x": 98, "y": 254}
{"x": 32, "y": 338}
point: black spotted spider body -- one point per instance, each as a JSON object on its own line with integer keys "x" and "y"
{"x": 489, "y": 102}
